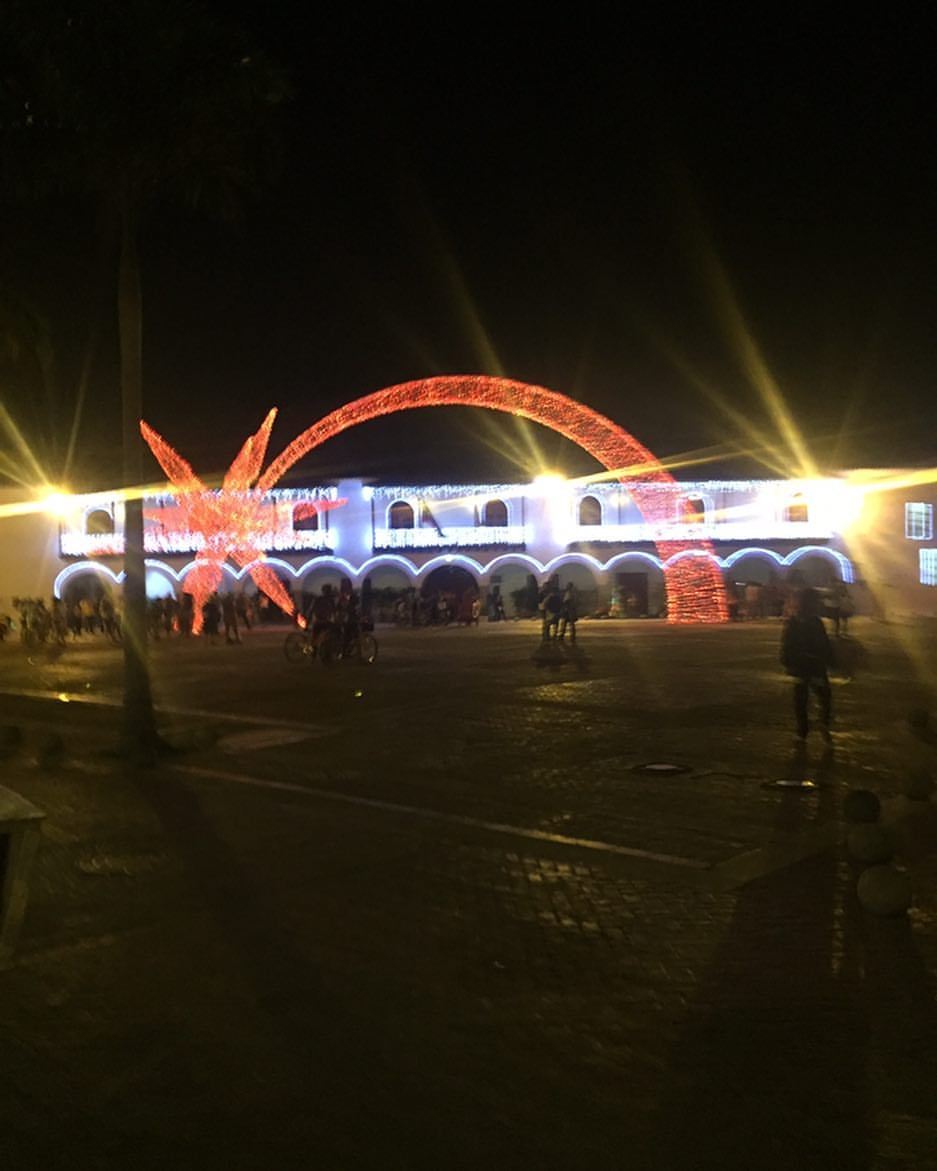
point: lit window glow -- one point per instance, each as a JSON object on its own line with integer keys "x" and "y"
{"x": 919, "y": 522}
{"x": 928, "y": 562}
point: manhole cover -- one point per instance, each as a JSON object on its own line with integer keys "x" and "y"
{"x": 661, "y": 766}
{"x": 259, "y": 738}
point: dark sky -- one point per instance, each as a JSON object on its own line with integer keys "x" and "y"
{"x": 602, "y": 208}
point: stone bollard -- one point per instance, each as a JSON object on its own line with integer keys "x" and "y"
{"x": 868, "y": 843}
{"x": 861, "y": 805}
{"x": 20, "y": 823}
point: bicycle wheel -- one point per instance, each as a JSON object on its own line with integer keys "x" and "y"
{"x": 297, "y": 647}
{"x": 330, "y": 647}
{"x": 367, "y": 648}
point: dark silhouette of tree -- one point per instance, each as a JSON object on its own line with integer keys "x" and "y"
{"x": 131, "y": 104}
{"x": 26, "y": 352}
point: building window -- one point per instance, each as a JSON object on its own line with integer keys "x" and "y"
{"x": 495, "y": 514}
{"x": 400, "y": 515}
{"x": 305, "y": 517}
{"x": 928, "y": 558}
{"x": 797, "y": 511}
{"x": 919, "y": 522}
{"x": 99, "y": 523}
{"x": 590, "y": 511}
{"x": 692, "y": 510}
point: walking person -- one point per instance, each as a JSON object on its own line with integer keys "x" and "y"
{"x": 842, "y": 608}
{"x": 211, "y": 616}
{"x": 551, "y": 606}
{"x": 569, "y": 613}
{"x": 230, "y": 619}
{"x": 806, "y": 655}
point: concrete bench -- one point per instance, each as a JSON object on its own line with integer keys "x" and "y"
{"x": 20, "y": 826}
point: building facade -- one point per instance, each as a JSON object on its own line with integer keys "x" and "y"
{"x": 872, "y": 530}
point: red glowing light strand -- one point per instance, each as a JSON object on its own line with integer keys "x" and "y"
{"x": 229, "y": 521}
{"x": 695, "y": 589}
{"x": 247, "y": 463}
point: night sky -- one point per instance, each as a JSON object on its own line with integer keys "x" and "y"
{"x": 599, "y": 208}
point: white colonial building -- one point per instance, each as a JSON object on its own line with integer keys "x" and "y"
{"x": 873, "y": 530}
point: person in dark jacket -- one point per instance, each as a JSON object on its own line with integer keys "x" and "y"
{"x": 806, "y": 655}
{"x": 569, "y": 613}
{"x": 211, "y": 619}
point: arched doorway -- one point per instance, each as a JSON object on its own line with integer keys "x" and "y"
{"x": 390, "y": 585}
{"x": 450, "y": 579}
{"x": 636, "y": 586}
{"x": 517, "y": 582}
{"x": 583, "y": 580}
{"x": 88, "y": 586}
{"x": 754, "y": 582}
{"x": 814, "y": 570}
{"x": 445, "y": 590}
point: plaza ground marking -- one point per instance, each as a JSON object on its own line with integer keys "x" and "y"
{"x": 497, "y": 827}
{"x": 113, "y": 701}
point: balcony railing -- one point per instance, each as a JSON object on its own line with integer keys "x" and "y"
{"x": 747, "y": 530}
{"x": 112, "y": 544}
{"x": 455, "y": 536}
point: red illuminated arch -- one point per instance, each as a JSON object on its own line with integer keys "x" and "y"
{"x": 695, "y": 590}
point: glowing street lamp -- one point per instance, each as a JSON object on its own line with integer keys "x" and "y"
{"x": 57, "y": 504}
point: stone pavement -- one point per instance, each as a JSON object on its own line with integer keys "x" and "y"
{"x": 428, "y": 914}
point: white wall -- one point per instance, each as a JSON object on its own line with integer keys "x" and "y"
{"x": 29, "y": 552}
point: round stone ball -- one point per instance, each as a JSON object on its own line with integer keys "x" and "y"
{"x": 919, "y": 786}
{"x": 869, "y": 843}
{"x": 883, "y": 890}
{"x": 861, "y": 805}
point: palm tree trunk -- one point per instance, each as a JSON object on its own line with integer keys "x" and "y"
{"x": 138, "y": 731}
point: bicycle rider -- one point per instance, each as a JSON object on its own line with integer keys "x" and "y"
{"x": 323, "y": 613}
{"x": 350, "y": 621}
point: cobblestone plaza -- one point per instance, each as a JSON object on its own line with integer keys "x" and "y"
{"x": 438, "y": 912}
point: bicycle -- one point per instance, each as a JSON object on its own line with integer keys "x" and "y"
{"x": 328, "y": 646}
{"x": 362, "y": 646}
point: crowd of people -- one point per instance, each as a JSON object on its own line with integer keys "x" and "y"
{"x": 60, "y": 620}
{"x": 751, "y": 601}
{"x": 440, "y": 608}
{"x": 559, "y": 611}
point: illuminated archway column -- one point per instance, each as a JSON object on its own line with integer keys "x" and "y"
{"x": 695, "y": 589}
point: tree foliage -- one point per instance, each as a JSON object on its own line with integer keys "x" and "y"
{"x": 142, "y": 101}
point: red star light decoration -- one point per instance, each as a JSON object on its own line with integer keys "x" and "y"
{"x": 230, "y": 521}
